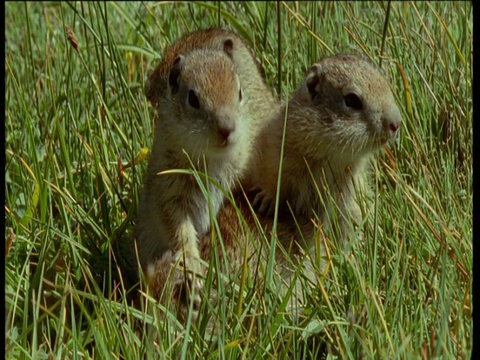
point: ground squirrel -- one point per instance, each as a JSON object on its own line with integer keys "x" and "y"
{"x": 339, "y": 116}
{"x": 205, "y": 93}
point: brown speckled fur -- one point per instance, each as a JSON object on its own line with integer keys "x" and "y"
{"x": 327, "y": 139}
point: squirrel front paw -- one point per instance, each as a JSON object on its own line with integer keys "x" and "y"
{"x": 263, "y": 201}
{"x": 187, "y": 286}
{"x": 170, "y": 278}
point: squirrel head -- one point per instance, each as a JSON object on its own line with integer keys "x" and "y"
{"x": 204, "y": 102}
{"x": 349, "y": 105}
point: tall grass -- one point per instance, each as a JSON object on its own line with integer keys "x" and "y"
{"x": 75, "y": 109}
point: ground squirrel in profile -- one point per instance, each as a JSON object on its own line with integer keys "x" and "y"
{"x": 207, "y": 116}
{"x": 339, "y": 116}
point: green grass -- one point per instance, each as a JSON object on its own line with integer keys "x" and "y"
{"x": 405, "y": 292}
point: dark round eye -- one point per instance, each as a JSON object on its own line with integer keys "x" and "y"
{"x": 193, "y": 100}
{"x": 353, "y": 101}
{"x": 240, "y": 95}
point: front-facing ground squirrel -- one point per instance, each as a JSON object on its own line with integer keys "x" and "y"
{"x": 207, "y": 117}
{"x": 341, "y": 114}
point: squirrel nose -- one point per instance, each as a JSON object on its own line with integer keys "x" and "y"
{"x": 225, "y": 133}
{"x": 393, "y": 121}
{"x": 394, "y": 127}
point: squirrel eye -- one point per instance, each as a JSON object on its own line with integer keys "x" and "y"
{"x": 193, "y": 100}
{"x": 353, "y": 101}
{"x": 240, "y": 95}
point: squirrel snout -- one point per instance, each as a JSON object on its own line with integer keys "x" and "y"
{"x": 226, "y": 134}
{"x": 392, "y": 122}
{"x": 391, "y": 128}
{"x": 394, "y": 126}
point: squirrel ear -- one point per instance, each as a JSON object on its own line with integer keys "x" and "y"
{"x": 310, "y": 86}
{"x": 228, "y": 47}
{"x": 175, "y": 72}
{"x": 313, "y": 80}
